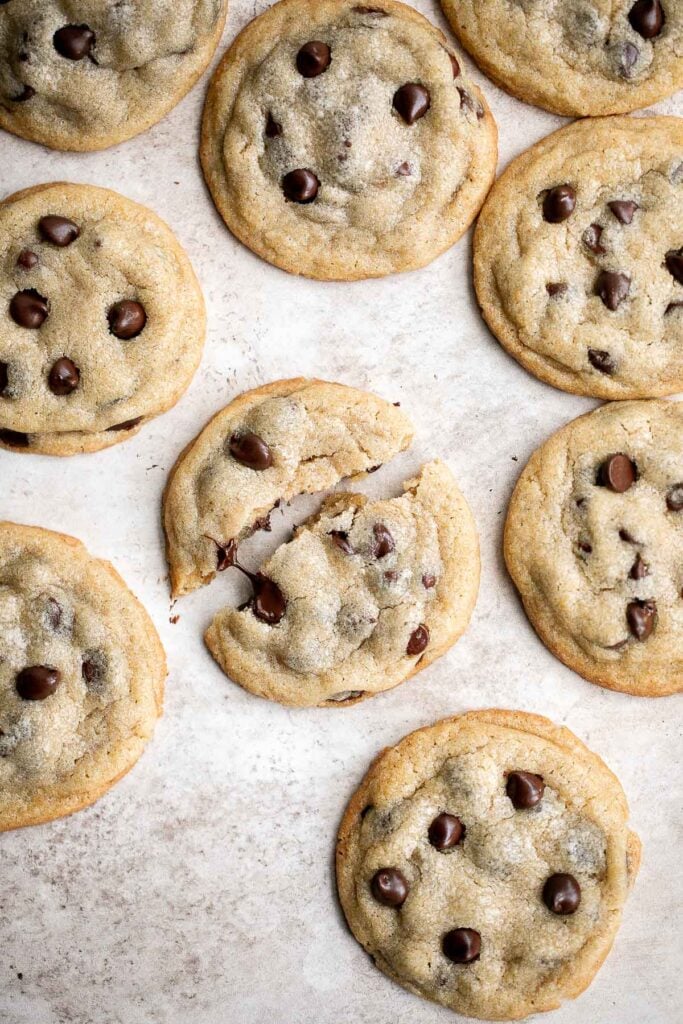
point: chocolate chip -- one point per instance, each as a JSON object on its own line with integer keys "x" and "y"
{"x": 640, "y": 569}
{"x": 27, "y": 259}
{"x": 27, "y": 93}
{"x": 127, "y": 319}
{"x": 301, "y": 185}
{"x": 226, "y": 555}
{"x": 627, "y": 537}
{"x": 251, "y": 451}
{"x": 14, "y": 439}
{"x": 446, "y": 831}
{"x": 273, "y": 127}
{"x": 404, "y": 170}
{"x": 585, "y": 547}
{"x": 418, "y": 641}
{"x": 93, "y": 669}
{"x": 641, "y": 616}
{"x": 4, "y": 377}
{"x": 591, "y": 239}
{"x": 454, "y": 64}
{"x": 674, "y": 498}
{"x": 74, "y": 41}
{"x": 562, "y": 894}
{"x": 468, "y": 103}
{"x": 617, "y": 473}
{"x": 127, "y": 424}
{"x": 313, "y": 58}
{"x": 674, "y": 264}
{"x": 462, "y": 945}
{"x": 559, "y": 203}
{"x": 612, "y": 287}
{"x": 428, "y": 581}
{"x": 53, "y": 613}
{"x": 341, "y": 539}
{"x": 411, "y": 101}
{"x": 556, "y": 288}
{"x": 384, "y": 542}
{"x": 37, "y": 682}
{"x": 389, "y": 887}
{"x": 391, "y": 575}
{"x": 647, "y": 18}
{"x": 269, "y": 604}
{"x": 64, "y": 377}
{"x": 29, "y": 309}
{"x": 601, "y": 360}
{"x": 623, "y": 209}
{"x": 525, "y": 789}
{"x": 628, "y": 58}
{"x": 58, "y": 230}
{"x": 672, "y": 307}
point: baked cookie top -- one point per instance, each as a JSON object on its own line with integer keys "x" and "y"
{"x": 594, "y": 543}
{"x": 102, "y": 321}
{"x": 578, "y": 258}
{"x": 268, "y": 445}
{"x": 344, "y": 140}
{"x": 86, "y": 75}
{"x": 484, "y": 862}
{"x": 576, "y": 57}
{"x": 81, "y": 676}
{"x": 365, "y": 595}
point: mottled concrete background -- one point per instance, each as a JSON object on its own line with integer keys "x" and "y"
{"x": 200, "y": 890}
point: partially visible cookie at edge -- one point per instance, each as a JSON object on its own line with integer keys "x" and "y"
{"x": 344, "y": 140}
{"x": 366, "y": 594}
{"x": 578, "y": 258}
{"x": 484, "y": 863}
{"x": 575, "y": 58}
{"x": 104, "y": 74}
{"x": 102, "y": 319}
{"x": 81, "y": 676}
{"x": 594, "y": 544}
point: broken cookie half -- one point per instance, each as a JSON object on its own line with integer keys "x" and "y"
{"x": 367, "y": 591}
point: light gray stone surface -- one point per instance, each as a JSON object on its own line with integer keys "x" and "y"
{"x": 200, "y": 890}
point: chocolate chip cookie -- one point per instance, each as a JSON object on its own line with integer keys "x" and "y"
{"x": 102, "y": 321}
{"x": 366, "y": 594}
{"x": 87, "y": 75}
{"x": 344, "y": 140}
{"x": 484, "y": 863}
{"x": 594, "y": 543}
{"x": 576, "y": 57}
{"x": 578, "y": 258}
{"x": 81, "y": 676}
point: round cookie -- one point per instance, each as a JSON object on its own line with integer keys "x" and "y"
{"x": 575, "y": 57}
{"x": 484, "y": 863}
{"x": 268, "y": 445}
{"x": 96, "y": 74}
{"x": 344, "y": 140}
{"x": 81, "y": 676}
{"x": 594, "y": 544}
{"x": 365, "y": 595}
{"x": 102, "y": 319}
{"x": 578, "y": 258}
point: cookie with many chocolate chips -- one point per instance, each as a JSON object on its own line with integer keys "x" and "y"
{"x": 81, "y": 676}
{"x": 578, "y": 258}
{"x": 575, "y": 57}
{"x": 102, "y": 319}
{"x": 86, "y": 75}
{"x": 344, "y": 140}
{"x": 518, "y": 911}
{"x": 366, "y": 594}
{"x": 594, "y": 544}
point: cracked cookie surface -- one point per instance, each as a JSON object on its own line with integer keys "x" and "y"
{"x": 81, "y": 676}
{"x": 85, "y": 75}
{"x": 367, "y": 593}
{"x": 484, "y": 863}
{"x": 103, "y": 322}
{"x": 343, "y": 140}
{"x": 306, "y": 435}
{"x": 576, "y": 57}
{"x": 594, "y": 544}
{"x": 578, "y": 258}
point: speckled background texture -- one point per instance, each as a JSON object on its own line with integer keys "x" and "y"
{"x": 200, "y": 890}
